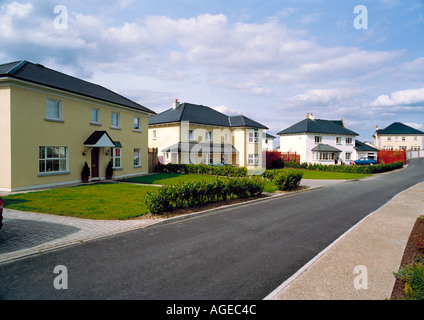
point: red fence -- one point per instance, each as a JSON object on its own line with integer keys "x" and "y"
{"x": 285, "y": 156}
{"x": 391, "y": 156}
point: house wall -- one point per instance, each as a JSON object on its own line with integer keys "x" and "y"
{"x": 168, "y": 135}
{"x": 304, "y": 143}
{"x": 411, "y": 141}
{"x": 5, "y": 139}
{"x": 30, "y": 130}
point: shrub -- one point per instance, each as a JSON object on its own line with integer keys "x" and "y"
{"x": 344, "y": 168}
{"x": 190, "y": 194}
{"x": 288, "y": 180}
{"x": 413, "y": 277}
{"x": 224, "y": 171}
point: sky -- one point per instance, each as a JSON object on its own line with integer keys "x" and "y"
{"x": 272, "y": 61}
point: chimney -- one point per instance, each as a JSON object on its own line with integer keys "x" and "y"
{"x": 176, "y": 104}
{"x": 311, "y": 116}
{"x": 344, "y": 124}
{"x": 307, "y": 115}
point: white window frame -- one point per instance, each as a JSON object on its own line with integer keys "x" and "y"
{"x": 318, "y": 139}
{"x": 97, "y": 121}
{"x": 190, "y": 135}
{"x": 118, "y": 117}
{"x": 137, "y": 124}
{"x": 137, "y": 158}
{"x": 252, "y": 159}
{"x": 207, "y": 158}
{"x": 254, "y": 136}
{"x": 114, "y": 157}
{"x": 349, "y": 140}
{"x": 43, "y": 159}
{"x": 348, "y": 156}
{"x": 154, "y": 135}
{"x": 208, "y": 136}
{"x": 59, "y": 111}
{"x": 338, "y": 140}
{"x": 226, "y": 137}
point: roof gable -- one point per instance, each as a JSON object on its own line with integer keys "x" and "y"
{"x": 399, "y": 128}
{"x": 200, "y": 114}
{"x": 38, "y": 74}
{"x": 317, "y": 126}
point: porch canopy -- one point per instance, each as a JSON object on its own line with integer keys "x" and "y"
{"x": 325, "y": 148}
{"x": 187, "y": 147}
{"x": 99, "y": 139}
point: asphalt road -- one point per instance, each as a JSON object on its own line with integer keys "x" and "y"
{"x": 238, "y": 253}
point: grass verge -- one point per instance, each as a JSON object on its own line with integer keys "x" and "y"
{"x": 108, "y": 201}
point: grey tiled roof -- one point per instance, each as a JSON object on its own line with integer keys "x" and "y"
{"x": 360, "y": 146}
{"x": 200, "y": 114}
{"x": 325, "y": 148}
{"x": 38, "y": 74}
{"x": 317, "y": 126}
{"x": 399, "y": 128}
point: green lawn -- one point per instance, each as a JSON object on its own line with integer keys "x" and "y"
{"x": 120, "y": 201}
{"x": 169, "y": 178}
{"x": 109, "y": 201}
{"x": 329, "y": 175}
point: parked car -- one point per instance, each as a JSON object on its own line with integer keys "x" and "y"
{"x": 365, "y": 161}
{"x": 1, "y": 213}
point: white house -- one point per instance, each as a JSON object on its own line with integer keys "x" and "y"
{"x": 267, "y": 142}
{"x": 319, "y": 141}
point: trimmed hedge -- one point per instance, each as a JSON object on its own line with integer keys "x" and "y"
{"x": 225, "y": 171}
{"x": 343, "y": 168}
{"x": 194, "y": 194}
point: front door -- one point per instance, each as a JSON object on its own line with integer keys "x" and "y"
{"x": 95, "y": 163}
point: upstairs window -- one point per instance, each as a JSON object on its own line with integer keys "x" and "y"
{"x": 95, "y": 115}
{"x": 349, "y": 140}
{"x": 208, "y": 136}
{"x": 318, "y": 139}
{"x": 190, "y": 135}
{"x": 54, "y": 109}
{"x": 115, "y": 121}
{"x": 137, "y": 124}
{"x": 254, "y": 136}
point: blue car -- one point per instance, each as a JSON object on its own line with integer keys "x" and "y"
{"x": 364, "y": 161}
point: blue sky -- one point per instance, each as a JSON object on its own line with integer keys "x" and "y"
{"x": 273, "y": 61}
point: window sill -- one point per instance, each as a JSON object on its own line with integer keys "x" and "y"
{"x": 137, "y": 166}
{"x": 116, "y": 128}
{"x": 54, "y": 120}
{"x": 95, "y": 123}
{"x": 117, "y": 169}
{"x": 137, "y": 130}
{"x": 46, "y": 174}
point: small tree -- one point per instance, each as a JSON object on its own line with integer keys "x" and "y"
{"x": 109, "y": 170}
{"x": 85, "y": 173}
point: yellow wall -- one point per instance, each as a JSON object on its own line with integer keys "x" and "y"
{"x": 381, "y": 141}
{"x": 170, "y": 134}
{"x": 5, "y": 157}
{"x": 30, "y": 130}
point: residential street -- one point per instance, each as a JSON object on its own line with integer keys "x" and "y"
{"x": 243, "y": 252}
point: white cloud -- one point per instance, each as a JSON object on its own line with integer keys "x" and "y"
{"x": 412, "y": 97}
{"x": 19, "y": 10}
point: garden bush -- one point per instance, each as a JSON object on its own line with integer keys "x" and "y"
{"x": 413, "y": 276}
{"x": 287, "y": 180}
{"x": 193, "y": 194}
{"x": 344, "y": 168}
{"x": 224, "y": 171}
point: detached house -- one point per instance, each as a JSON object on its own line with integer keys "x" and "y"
{"x": 319, "y": 141}
{"x": 398, "y": 136}
{"x": 191, "y": 133}
{"x": 52, "y": 123}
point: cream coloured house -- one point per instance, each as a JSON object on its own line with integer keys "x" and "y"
{"x": 52, "y": 123}
{"x": 190, "y": 133}
{"x": 398, "y": 136}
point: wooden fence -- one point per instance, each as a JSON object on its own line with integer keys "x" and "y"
{"x": 277, "y": 155}
{"x": 391, "y": 156}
